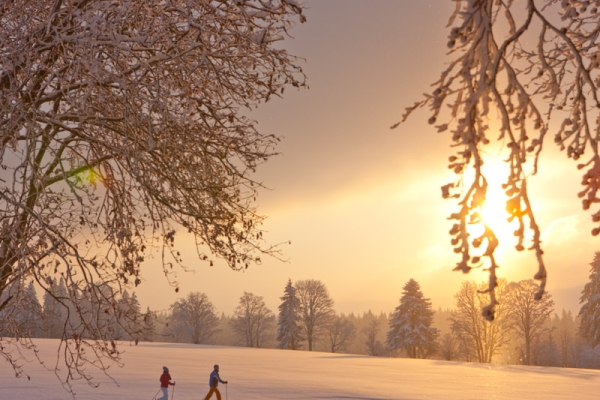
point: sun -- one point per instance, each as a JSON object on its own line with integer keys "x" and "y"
{"x": 493, "y": 213}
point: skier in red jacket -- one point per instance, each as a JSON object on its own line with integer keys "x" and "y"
{"x": 165, "y": 381}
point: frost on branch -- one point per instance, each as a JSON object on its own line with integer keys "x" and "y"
{"x": 527, "y": 68}
{"x": 120, "y": 128}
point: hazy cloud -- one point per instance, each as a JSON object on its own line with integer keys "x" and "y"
{"x": 562, "y": 230}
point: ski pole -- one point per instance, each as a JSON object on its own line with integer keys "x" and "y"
{"x": 154, "y": 397}
{"x": 173, "y": 393}
{"x": 226, "y": 395}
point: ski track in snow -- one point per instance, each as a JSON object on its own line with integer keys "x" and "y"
{"x": 283, "y": 374}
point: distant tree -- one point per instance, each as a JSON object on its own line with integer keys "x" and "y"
{"x": 547, "y": 352}
{"x": 441, "y": 320}
{"x": 565, "y": 329}
{"x": 95, "y": 314}
{"x": 527, "y": 316}
{"x": 589, "y": 328}
{"x": 341, "y": 332}
{"x": 518, "y": 66}
{"x": 149, "y": 326}
{"x": 373, "y": 345}
{"x": 227, "y": 336}
{"x": 448, "y": 349}
{"x": 410, "y": 324}
{"x": 163, "y": 332}
{"x": 252, "y": 320}
{"x": 31, "y": 312}
{"x": 128, "y": 319}
{"x": 194, "y": 318}
{"x": 574, "y": 350}
{"x": 289, "y": 330}
{"x": 122, "y": 123}
{"x": 24, "y": 321}
{"x": 120, "y": 332}
{"x": 13, "y": 331}
{"x": 316, "y": 309}
{"x": 54, "y": 314}
{"x": 479, "y": 338}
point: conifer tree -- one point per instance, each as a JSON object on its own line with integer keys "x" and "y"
{"x": 94, "y": 315}
{"x": 30, "y": 313}
{"x": 589, "y": 328}
{"x": 22, "y": 321}
{"x": 410, "y": 325}
{"x": 128, "y": 318}
{"x": 289, "y": 330}
{"x": 54, "y": 314}
{"x": 148, "y": 326}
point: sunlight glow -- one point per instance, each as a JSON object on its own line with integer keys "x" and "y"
{"x": 493, "y": 212}
{"x": 89, "y": 177}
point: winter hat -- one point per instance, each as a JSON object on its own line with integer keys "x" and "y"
{"x": 165, "y": 369}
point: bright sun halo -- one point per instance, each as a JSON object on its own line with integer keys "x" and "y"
{"x": 493, "y": 212}
{"x": 494, "y": 215}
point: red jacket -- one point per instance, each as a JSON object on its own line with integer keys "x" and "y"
{"x": 165, "y": 380}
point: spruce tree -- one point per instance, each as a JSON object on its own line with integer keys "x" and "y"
{"x": 22, "y": 321}
{"x": 127, "y": 324}
{"x": 589, "y": 328}
{"x": 410, "y": 324}
{"x": 49, "y": 310}
{"x": 149, "y": 326}
{"x": 135, "y": 321}
{"x": 30, "y": 312}
{"x": 54, "y": 314}
{"x": 289, "y": 331}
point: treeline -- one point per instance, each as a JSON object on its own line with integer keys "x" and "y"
{"x": 368, "y": 334}
{"x": 524, "y": 331}
{"x": 544, "y": 337}
{"x": 102, "y": 314}
{"x": 306, "y": 321}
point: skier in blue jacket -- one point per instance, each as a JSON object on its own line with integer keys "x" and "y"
{"x": 213, "y": 382}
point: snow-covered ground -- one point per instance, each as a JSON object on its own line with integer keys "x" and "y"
{"x": 278, "y": 374}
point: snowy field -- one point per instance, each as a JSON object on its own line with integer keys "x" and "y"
{"x": 278, "y": 374}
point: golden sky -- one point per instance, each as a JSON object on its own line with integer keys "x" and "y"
{"x": 361, "y": 203}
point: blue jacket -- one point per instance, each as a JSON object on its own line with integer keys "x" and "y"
{"x": 215, "y": 379}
